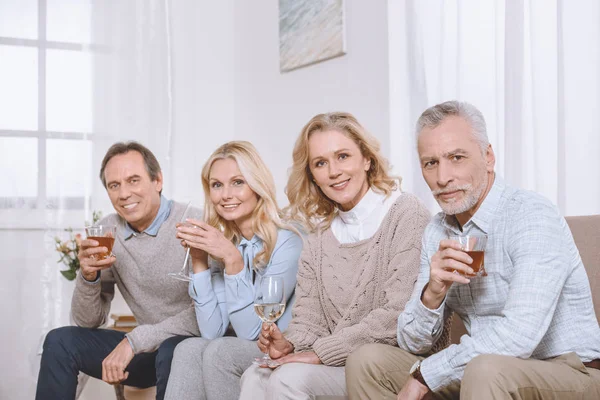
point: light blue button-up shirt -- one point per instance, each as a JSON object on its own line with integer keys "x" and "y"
{"x": 535, "y": 302}
{"x": 220, "y": 298}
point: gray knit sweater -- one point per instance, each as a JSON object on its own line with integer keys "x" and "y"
{"x": 160, "y": 304}
{"x": 351, "y": 294}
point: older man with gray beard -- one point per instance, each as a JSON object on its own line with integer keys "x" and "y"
{"x": 533, "y": 333}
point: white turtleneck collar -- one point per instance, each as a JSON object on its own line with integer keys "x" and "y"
{"x": 362, "y": 221}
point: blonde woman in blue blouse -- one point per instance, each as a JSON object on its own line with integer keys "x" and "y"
{"x": 241, "y": 240}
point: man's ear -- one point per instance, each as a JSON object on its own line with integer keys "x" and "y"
{"x": 490, "y": 159}
{"x": 158, "y": 182}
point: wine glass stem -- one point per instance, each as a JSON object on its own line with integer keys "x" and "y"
{"x": 267, "y": 357}
{"x": 185, "y": 262}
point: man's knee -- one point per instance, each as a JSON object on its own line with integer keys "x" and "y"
{"x": 366, "y": 360}
{"x": 60, "y": 339}
{"x": 484, "y": 369}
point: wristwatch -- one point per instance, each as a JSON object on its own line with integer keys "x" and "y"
{"x": 415, "y": 372}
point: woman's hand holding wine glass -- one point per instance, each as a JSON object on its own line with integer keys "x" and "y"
{"x": 204, "y": 239}
{"x": 184, "y": 274}
{"x": 272, "y": 341}
{"x": 269, "y": 304}
{"x": 199, "y": 257}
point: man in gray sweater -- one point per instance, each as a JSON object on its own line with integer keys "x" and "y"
{"x": 144, "y": 252}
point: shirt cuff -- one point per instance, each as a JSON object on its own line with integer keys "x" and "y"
{"x": 244, "y": 275}
{"x": 130, "y": 344}
{"x": 91, "y": 282}
{"x": 239, "y": 290}
{"x": 130, "y": 339}
{"x": 239, "y": 285}
{"x": 200, "y": 289}
{"x": 437, "y": 371}
{"x": 430, "y": 320}
{"x": 87, "y": 288}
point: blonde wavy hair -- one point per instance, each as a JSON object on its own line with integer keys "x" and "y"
{"x": 308, "y": 204}
{"x": 266, "y": 217}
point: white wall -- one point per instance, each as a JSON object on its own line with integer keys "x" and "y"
{"x": 271, "y": 108}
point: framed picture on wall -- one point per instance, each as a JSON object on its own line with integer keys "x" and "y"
{"x": 310, "y": 32}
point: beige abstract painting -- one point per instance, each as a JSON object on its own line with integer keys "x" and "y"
{"x": 310, "y": 31}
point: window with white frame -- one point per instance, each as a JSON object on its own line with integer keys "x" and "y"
{"x": 45, "y": 103}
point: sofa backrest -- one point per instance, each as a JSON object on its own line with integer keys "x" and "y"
{"x": 586, "y": 233}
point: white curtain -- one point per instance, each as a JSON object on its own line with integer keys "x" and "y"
{"x": 133, "y": 78}
{"x": 531, "y": 66}
{"x": 123, "y": 75}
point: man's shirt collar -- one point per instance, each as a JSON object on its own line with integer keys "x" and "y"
{"x": 484, "y": 216}
{"x": 163, "y": 213}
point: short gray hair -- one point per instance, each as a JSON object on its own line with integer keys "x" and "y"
{"x": 435, "y": 115}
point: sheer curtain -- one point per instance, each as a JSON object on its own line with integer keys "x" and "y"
{"x": 80, "y": 75}
{"x": 156, "y": 71}
{"x": 133, "y": 82}
{"x": 532, "y": 67}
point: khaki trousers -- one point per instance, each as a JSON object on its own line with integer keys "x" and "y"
{"x": 377, "y": 371}
{"x": 295, "y": 381}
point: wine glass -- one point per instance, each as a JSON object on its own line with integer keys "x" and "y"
{"x": 269, "y": 304}
{"x": 184, "y": 273}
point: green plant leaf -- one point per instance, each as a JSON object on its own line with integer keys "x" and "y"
{"x": 74, "y": 264}
{"x": 69, "y": 274}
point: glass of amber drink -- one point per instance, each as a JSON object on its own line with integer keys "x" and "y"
{"x": 104, "y": 235}
{"x": 474, "y": 246}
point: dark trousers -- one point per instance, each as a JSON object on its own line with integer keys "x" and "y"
{"x": 71, "y": 349}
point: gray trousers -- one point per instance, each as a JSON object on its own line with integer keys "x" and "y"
{"x": 205, "y": 369}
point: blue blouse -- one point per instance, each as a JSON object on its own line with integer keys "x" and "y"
{"x": 220, "y": 298}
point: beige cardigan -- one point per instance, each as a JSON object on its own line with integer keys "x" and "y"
{"x": 351, "y": 294}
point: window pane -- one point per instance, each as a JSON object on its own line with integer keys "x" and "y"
{"x": 18, "y": 88}
{"x": 69, "y": 21}
{"x": 18, "y": 167}
{"x": 69, "y": 91}
{"x": 18, "y": 19}
{"x": 68, "y": 168}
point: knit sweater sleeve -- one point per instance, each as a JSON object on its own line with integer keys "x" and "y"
{"x": 399, "y": 276}
{"x": 308, "y": 318}
{"x": 90, "y": 304}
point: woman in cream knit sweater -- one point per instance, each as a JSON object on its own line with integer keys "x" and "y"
{"x": 357, "y": 269}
